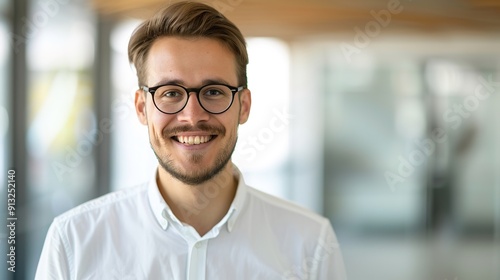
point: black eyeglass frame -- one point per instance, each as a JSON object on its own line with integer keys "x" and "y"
{"x": 153, "y": 90}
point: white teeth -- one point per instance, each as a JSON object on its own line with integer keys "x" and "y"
{"x": 194, "y": 140}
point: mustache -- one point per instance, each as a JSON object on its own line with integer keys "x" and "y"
{"x": 211, "y": 129}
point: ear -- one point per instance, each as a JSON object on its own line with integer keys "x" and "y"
{"x": 140, "y": 106}
{"x": 245, "y": 104}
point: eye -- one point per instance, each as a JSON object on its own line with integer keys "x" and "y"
{"x": 213, "y": 92}
{"x": 171, "y": 93}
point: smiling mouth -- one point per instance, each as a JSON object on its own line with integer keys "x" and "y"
{"x": 194, "y": 140}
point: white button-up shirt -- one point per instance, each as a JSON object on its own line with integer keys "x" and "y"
{"x": 133, "y": 234}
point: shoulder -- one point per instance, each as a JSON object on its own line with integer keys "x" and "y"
{"x": 288, "y": 223}
{"x": 284, "y": 211}
{"x": 121, "y": 200}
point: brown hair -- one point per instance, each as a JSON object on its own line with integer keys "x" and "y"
{"x": 187, "y": 19}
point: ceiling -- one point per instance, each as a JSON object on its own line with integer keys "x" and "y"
{"x": 299, "y": 18}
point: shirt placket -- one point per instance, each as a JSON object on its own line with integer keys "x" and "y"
{"x": 197, "y": 260}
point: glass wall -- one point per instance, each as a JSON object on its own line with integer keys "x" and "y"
{"x": 60, "y": 119}
{"x": 5, "y": 129}
{"x": 411, "y": 149}
{"x": 4, "y": 70}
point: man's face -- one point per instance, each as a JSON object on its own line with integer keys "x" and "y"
{"x": 192, "y": 63}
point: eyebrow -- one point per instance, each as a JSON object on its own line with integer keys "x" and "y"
{"x": 183, "y": 83}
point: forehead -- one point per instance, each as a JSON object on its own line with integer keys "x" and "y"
{"x": 190, "y": 60}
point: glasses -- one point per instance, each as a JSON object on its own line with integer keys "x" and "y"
{"x": 172, "y": 98}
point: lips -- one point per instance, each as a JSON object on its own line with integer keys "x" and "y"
{"x": 193, "y": 140}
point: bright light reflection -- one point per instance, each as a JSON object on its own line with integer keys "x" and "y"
{"x": 263, "y": 144}
{"x": 55, "y": 111}
{"x": 263, "y": 140}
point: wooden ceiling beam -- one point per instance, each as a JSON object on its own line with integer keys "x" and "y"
{"x": 282, "y": 18}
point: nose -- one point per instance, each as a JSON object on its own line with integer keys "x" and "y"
{"x": 193, "y": 112}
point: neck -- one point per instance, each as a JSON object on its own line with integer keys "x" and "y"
{"x": 201, "y": 206}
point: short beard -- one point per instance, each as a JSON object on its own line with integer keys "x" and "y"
{"x": 220, "y": 162}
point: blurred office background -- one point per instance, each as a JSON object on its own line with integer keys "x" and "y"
{"x": 382, "y": 115}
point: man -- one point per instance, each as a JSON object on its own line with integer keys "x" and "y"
{"x": 196, "y": 219}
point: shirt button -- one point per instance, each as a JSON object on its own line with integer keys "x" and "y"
{"x": 198, "y": 245}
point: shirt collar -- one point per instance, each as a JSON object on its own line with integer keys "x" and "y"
{"x": 238, "y": 201}
{"x": 158, "y": 205}
{"x": 164, "y": 214}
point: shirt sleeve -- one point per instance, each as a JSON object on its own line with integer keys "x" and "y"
{"x": 328, "y": 263}
{"x": 53, "y": 263}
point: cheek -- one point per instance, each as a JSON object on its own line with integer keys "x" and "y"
{"x": 231, "y": 126}
{"x": 157, "y": 121}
